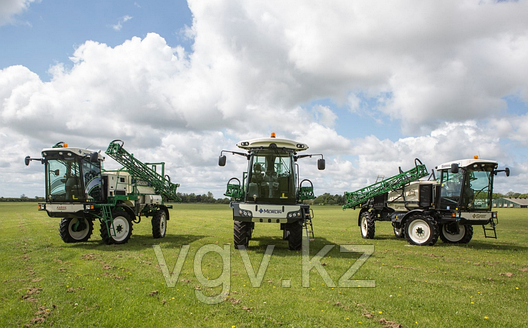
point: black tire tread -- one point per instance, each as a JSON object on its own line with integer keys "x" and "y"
{"x": 295, "y": 236}
{"x": 241, "y": 234}
{"x": 371, "y": 225}
{"x": 64, "y": 231}
{"x": 468, "y": 235}
{"x": 105, "y": 234}
{"x": 156, "y": 220}
{"x": 433, "y": 226}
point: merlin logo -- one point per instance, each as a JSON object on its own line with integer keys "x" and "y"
{"x": 265, "y": 210}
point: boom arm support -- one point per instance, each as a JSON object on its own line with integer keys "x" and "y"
{"x": 139, "y": 170}
{"x": 360, "y": 196}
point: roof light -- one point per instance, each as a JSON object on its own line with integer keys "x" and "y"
{"x": 273, "y": 134}
{"x": 475, "y": 157}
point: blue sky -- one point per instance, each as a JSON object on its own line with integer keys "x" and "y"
{"x": 49, "y": 31}
{"x": 370, "y": 84}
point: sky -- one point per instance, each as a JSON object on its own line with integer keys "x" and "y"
{"x": 370, "y": 84}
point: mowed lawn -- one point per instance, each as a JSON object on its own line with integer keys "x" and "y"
{"x": 45, "y": 282}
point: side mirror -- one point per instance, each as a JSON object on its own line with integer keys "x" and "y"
{"x": 454, "y": 168}
{"x": 94, "y": 157}
{"x": 507, "y": 171}
{"x": 321, "y": 164}
{"x": 28, "y": 159}
{"x": 222, "y": 160}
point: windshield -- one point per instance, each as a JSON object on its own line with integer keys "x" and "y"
{"x": 271, "y": 177}
{"x": 65, "y": 180}
{"x": 468, "y": 189}
{"x": 477, "y": 191}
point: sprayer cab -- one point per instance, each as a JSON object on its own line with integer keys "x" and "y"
{"x": 73, "y": 175}
{"x": 467, "y": 185}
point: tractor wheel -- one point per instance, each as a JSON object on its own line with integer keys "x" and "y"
{"x": 159, "y": 224}
{"x": 241, "y": 234}
{"x": 367, "y": 225}
{"x": 421, "y": 230}
{"x": 451, "y": 234}
{"x": 122, "y": 226}
{"x": 74, "y": 230}
{"x": 398, "y": 232}
{"x": 295, "y": 236}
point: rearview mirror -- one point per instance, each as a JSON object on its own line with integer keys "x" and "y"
{"x": 321, "y": 164}
{"x": 222, "y": 160}
{"x": 454, "y": 168}
{"x": 27, "y": 160}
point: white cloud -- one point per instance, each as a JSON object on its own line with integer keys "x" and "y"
{"x": 121, "y": 21}
{"x": 426, "y": 63}
{"x": 450, "y": 142}
{"x": 11, "y": 8}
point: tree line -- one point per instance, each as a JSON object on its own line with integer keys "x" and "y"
{"x": 510, "y": 194}
{"x": 185, "y": 198}
{"x": 324, "y": 199}
{"x": 328, "y": 199}
{"x": 203, "y": 198}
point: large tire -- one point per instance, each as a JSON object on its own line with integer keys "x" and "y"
{"x": 295, "y": 236}
{"x": 421, "y": 230}
{"x": 75, "y": 230}
{"x": 123, "y": 229}
{"x": 450, "y": 235}
{"x": 241, "y": 234}
{"x": 159, "y": 224}
{"x": 367, "y": 225}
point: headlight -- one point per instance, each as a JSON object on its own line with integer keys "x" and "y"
{"x": 244, "y": 213}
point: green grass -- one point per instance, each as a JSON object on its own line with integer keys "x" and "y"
{"x": 45, "y": 282}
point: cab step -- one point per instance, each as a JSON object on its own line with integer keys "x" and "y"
{"x": 489, "y": 229}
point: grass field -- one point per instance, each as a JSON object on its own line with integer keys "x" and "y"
{"x": 45, "y": 282}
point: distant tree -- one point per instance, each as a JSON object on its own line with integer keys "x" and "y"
{"x": 204, "y": 198}
{"x": 512, "y": 194}
{"x": 497, "y": 195}
{"x": 328, "y": 199}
